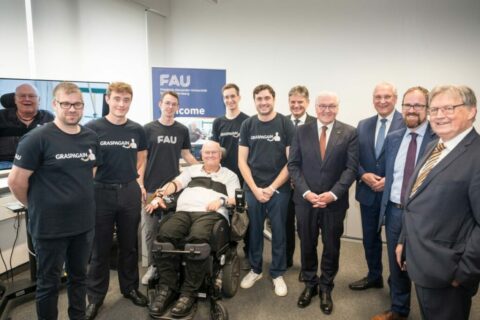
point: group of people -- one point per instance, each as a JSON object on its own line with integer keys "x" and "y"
{"x": 415, "y": 172}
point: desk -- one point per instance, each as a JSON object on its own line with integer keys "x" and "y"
{"x": 8, "y": 222}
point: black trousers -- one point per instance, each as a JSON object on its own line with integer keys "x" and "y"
{"x": 121, "y": 208}
{"x": 446, "y": 303}
{"x": 290, "y": 230}
{"x": 309, "y": 223}
{"x": 51, "y": 254}
{"x": 179, "y": 229}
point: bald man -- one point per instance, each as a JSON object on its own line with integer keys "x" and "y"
{"x": 15, "y": 122}
{"x": 207, "y": 189}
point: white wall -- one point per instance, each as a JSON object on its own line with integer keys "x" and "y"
{"x": 342, "y": 45}
{"x": 80, "y": 40}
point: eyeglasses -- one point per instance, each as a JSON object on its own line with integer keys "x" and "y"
{"x": 447, "y": 110}
{"x": 416, "y": 107}
{"x": 324, "y": 107}
{"x": 67, "y": 105}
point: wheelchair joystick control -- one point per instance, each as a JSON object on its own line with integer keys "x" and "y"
{"x": 240, "y": 200}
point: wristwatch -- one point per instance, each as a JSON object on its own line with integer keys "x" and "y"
{"x": 223, "y": 200}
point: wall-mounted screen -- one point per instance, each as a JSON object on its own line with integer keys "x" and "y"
{"x": 11, "y": 129}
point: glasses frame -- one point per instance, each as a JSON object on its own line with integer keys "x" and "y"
{"x": 67, "y": 105}
{"x": 446, "y": 110}
{"x": 416, "y": 107}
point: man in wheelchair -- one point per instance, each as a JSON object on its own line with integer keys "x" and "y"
{"x": 207, "y": 190}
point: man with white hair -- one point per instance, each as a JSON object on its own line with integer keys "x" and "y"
{"x": 207, "y": 189}
{"x": 323, "y": 165}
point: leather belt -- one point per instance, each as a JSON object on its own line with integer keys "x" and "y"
{"x": 112, "y": 186}
{"x": 397, "y": 205}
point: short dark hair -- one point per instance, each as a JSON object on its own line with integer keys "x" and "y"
{"x": 231, "y": 86}
{"x": 172, "y": 93}
{"x": 262, "y": 87}
{"x": 300, "y": 90}
{"x": 417, "y": 88}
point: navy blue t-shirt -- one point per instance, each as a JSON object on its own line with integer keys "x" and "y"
{"x": 267, "y": 143}
{"x": 227, "y": 132}
{"x": 60, "y": 195}
{"x": 119, "y": 145}
{"x": 165, "y": 145}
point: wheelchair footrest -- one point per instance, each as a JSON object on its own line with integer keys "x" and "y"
{"x": 168, "y": 315}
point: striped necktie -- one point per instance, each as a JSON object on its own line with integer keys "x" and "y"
{"x": 427, "y": 167}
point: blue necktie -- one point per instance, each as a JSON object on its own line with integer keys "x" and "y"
{"x": 380, "y": 137}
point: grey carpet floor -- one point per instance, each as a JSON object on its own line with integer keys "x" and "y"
{"x": 260, "y": 302}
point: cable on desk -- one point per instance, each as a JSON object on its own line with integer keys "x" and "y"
{"x": 5, "y": 264}
{"x": 16, "y": 226}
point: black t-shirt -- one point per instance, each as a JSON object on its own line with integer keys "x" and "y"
{"x": 12, "y": 129}
{"x": 227, "y": 132}
{"x": 60, "y": 195}
{"x": 164, "y": 144}
{"x": 267, "y": 143}
{"x": 119, "y": 145}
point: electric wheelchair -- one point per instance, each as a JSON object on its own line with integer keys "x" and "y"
{"x": 223, "y": 272}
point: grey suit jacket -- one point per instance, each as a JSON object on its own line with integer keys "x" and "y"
{"x": 441, "y": 221}
{"x": 335, "y": 173}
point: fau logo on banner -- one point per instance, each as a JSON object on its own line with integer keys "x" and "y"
{"x": 199, "y": 90}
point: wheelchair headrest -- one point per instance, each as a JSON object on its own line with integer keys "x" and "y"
{"x": 8, "y": 100}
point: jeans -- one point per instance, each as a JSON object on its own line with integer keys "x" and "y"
{"x": 276, "y": 210}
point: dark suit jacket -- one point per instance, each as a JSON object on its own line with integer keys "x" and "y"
{"x": 392, "y": 145}
{"x": 308, "y": 119}
{"x": 336, "y": 173}
{"x": 441, "y": 221}
{"x": 368, "y": 162}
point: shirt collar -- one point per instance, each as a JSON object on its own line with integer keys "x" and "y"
{"x": 329, "y": 126}
{"x": 302, "y": 118}
{"x": 389, "y": 117}
{"x": 452, "y": 143}
{"x": 420, "y": 131}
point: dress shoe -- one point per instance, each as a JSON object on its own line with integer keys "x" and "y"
{"x": 137, "y": 298}
{"x": 326, "y": 302}
{"x": 92, "y": 310}
{"x": 162, "y": 301}
{"x": 183, "y": 306}
{"x": 365, "y": 283}
{"x": 306, "y": 296}
{"x": 389, "y": 315}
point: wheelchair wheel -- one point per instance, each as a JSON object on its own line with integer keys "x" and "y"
{"x": 218, "y": 311}
{"x": 231, "y": 277}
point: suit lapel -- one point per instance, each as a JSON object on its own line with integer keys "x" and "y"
{"x": 429, "y": 137}
{"x": 371, "y": 134}
{"x": 396, "y": 142}
{"x": 442, "y": 165}
{"x": 313, "y": 128}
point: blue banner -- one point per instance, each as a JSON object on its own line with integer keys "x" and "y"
{"x": 199, "y": 91}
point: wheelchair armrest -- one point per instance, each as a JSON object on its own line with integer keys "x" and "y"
{"x": 220, "y": 235}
